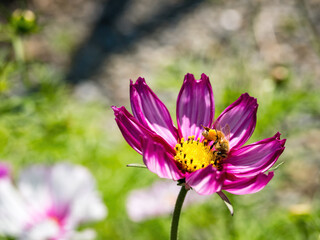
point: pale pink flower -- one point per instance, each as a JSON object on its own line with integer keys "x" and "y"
{"x": 4, "y": 170}
{"x": 156, "y": 200}
{"x": 49, "y": 203}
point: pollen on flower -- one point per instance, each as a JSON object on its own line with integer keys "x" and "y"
{"x": 192, "y": 155}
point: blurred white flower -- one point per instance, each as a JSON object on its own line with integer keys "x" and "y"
{"x": 157, "y": 200}
{"x": 49, "y": 203}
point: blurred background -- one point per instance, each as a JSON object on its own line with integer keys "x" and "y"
{"x": 64, "y": 63}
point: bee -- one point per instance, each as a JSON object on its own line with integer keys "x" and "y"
{"x": 212, "y": 135}
{"x": 220, "y": 138}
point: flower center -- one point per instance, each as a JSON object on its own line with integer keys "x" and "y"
{"x": 192, "y": 155}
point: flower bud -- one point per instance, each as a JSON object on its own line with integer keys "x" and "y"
{"x": 23, "y": 22}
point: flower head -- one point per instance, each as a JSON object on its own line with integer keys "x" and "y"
{"x": 49, "y": 203}
{"x": 206, "y": 155}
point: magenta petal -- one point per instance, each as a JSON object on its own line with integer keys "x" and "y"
{"x": 242, "y": 186}
{"x": 151, "y": 112}
{"x": 255, "y": 158}
{"x": 226, "y": 201}
{"x": 195, "y": 106}
{"x": 241, "y": 118}
{"x": 130, "y": 128}
{"x": 205, "y": 181}
{"x": 158, "y": 160}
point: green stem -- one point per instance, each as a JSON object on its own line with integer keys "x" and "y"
{"x": 176, "y": 213}
{"x": 18, "y": 48}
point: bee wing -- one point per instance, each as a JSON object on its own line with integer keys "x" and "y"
{"x": 217, "y": 126}
{"x": 226, "y": 131}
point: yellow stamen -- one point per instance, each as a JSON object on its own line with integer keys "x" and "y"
{"x": 192, "y": 155}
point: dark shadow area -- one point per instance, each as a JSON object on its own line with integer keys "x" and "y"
{"x": 107, "y": 38}
{"x": 6, "y": 8}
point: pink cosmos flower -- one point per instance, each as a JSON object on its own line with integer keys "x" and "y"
{"x": 49, "y": 203}
{"x": 186, "y": 153}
